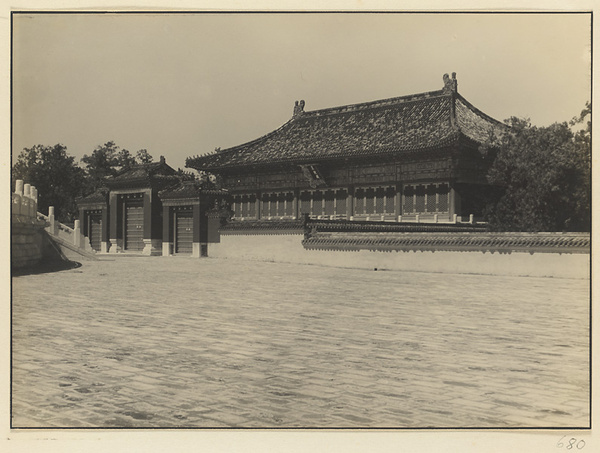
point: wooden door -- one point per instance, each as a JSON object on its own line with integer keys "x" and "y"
{"x": 184, "y": 230}
{"x": 134, "y": 228}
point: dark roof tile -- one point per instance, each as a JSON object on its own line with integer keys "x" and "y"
{"x": 188, "y": 189}
{"x": 477, "y": 125}
{"x": 99, "y": 196}
{"x": 155, "y": 173}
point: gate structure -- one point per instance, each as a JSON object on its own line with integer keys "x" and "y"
{"x": 149, "y": 209}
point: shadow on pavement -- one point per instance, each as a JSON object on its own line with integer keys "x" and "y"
{"x": 46, "y": 266}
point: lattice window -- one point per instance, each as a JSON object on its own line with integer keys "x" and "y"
{"x": 420, "y": 199}
{"x": 359, "y": 200}
{"x": 265, "y": 206}
{"x": 390, "y": 200}
{"x": 409, "y": 199}
{"x": 305, "y": 203}
{"x": 443, "y": 198}
{"x": 289, "y": 208}
{"x": 273, "y": 207}
{"x": 237, "y": 206}
{"x": 380, "y": 200}
{"x": 340, "y": 207}
{"x": 317, "y": 203}
{"x": 280, "y": 204}
{"x": 243, "y": 201}
{"x": 329, "y": 197}
{"x": 369, "y": 201}
{"x": 252, "y": 206}
{"x": 431, "y": 198}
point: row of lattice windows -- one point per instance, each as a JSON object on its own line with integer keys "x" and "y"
{"x": 380, "y": 200}
{"x": 271, "y": 205}
{"x": 277, "y": 204}
{"x": 329, "y": 202}
{"x": 432, "y": 198}
{"x": 428, "y": 198}
{"x": 244, "y": 205}
{"x": 326, "y": 202}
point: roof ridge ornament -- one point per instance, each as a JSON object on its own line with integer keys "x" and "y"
{"x": 450, "y": 85}
{"x": 298, "y": 109}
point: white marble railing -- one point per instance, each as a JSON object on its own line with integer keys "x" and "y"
{"x": 24, "y": 211}
{"x": 24, "y": 202}
{"x": 70, "y": 235}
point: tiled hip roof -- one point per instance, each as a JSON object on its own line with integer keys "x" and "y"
{"x": 387, "y": 128}
{"x": 430, "y": 120}
{"x": 477, "y": 125}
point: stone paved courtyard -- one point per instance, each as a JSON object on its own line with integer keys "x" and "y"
{"x": 178, "y": 342}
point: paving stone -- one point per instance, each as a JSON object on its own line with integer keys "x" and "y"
{"x": 213, "y": 343}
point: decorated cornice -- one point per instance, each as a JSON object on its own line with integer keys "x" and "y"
{"x": 461, "y": 242}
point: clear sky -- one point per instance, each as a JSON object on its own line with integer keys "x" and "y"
{"x": 183, "y": 84}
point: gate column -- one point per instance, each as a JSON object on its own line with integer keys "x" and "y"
{"x": 167, "y": 242}
{"x": 151, "y": 245}
{"x": 104, "y": 234}
{"x": 113, "y": 229}
{"x": 197, "y": 222}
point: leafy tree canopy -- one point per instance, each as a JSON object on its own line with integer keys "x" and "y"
{"x": 106, "y": 160}
{"x": 545, "y": 174}
{"x": 56, "y": 176}
{"x": 143, "y": 157}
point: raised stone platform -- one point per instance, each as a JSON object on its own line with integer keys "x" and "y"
{"x": 27, "y": 243}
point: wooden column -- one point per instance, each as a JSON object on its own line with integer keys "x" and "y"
{"x": 104, "y": 230}
{"x": 270, "y": 198}
{"x": 296, "y": 202}
{"x": 454, "y": 202}
{"x": 152, "y": 246}
{"x": 147, "y": 200}
{"x": 414, "y": 186}
{"x": 197, "y": 230}
{"x": 335, "y": 192}
{"x": 113, "y": 227}
{"x": 167, "y": 244}
{"x": 398, "y": 201}
{"x": 322, "y": 192}
{"x": 350, "y": 202}
{"x": 258, "y": 205}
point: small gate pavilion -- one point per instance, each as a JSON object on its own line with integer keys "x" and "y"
{"x": 148, "y": 209}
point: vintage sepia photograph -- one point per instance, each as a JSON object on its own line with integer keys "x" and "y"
{"x": 301, "y": 220}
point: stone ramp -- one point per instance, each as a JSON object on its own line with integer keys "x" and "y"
{"x": 71, "y": 251}
{"x": 73, "y": 244}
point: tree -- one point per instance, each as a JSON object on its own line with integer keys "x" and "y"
{"x": 107, "y": 160}
{"x": 103, "y": 162}
{"x": 143, "y": 157}
{"x": 544, "y": 172}
{"x": 56, "y": 176}
{"x": 125, "y": 159}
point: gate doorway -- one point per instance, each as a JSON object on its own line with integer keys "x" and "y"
{"x": 184, "y": 228}
{"x": 133, "y": 227}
